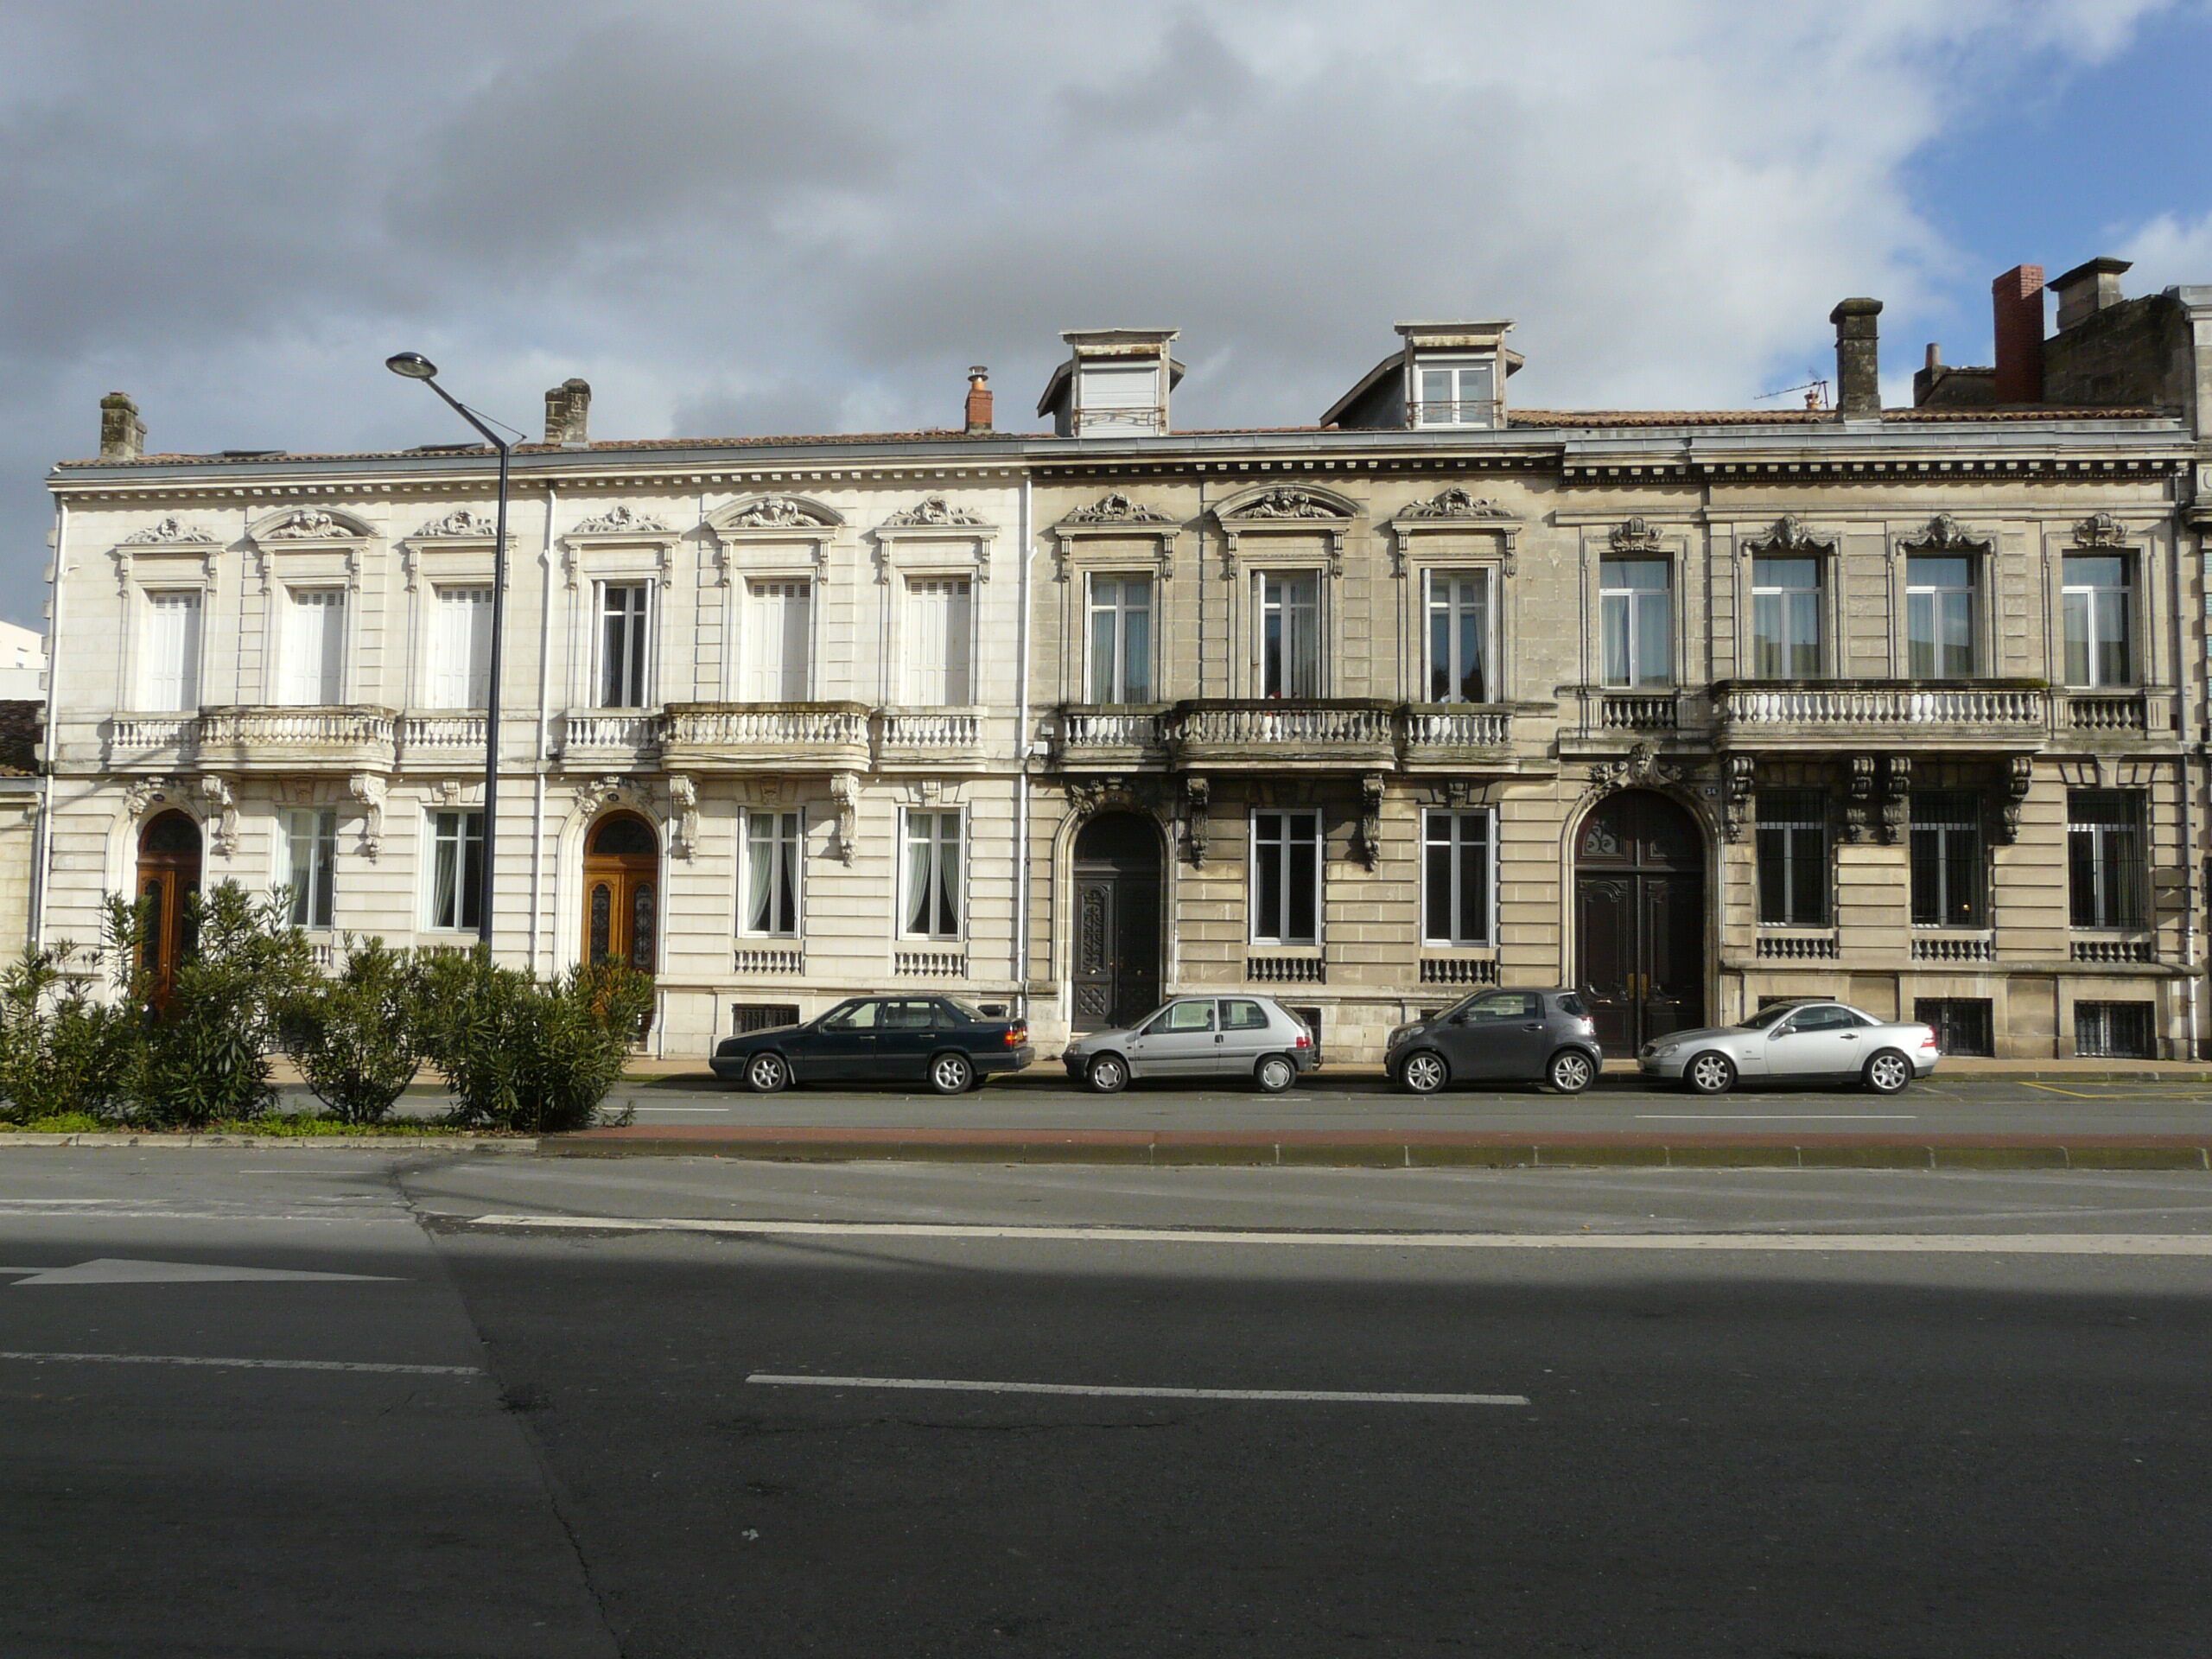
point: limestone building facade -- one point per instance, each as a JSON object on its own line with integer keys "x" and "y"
{"x": 1689, "y": 708}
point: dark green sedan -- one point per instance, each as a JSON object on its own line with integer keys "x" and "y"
{"x": 946, "y": 1042}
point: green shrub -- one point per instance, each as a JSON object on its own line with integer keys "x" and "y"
{"x": 358, "y": 1039}
{"x": 59, "y": 1051}
{"x": 202, "y": 1051}
{"x": 519, "y": 1052}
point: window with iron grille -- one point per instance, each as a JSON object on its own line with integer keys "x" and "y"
{"x": 1962, "y": 1024}
{"x": 1793, "y": 857}
{"x": 2104, "y": 857}
{"x": 746, "y": 1018}
{"x": 1947, "y": 884}
{"x": 2118, "y": 1031}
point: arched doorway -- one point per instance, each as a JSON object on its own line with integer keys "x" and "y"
{"x": 1117, "y": 931}
{"x": 1639, "y": 919}
{"x": 621, "y": 891}
{"x": 168, "y": 875}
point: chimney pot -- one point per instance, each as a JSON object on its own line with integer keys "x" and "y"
{"x": 568, "y": 414}
{"x": 2016, "y": 304}
{"x": 1858, "y": 365}
{"x": 979, "y": 400}
{"x": 2090, "y": 287}
{"x": 123, "y": 434}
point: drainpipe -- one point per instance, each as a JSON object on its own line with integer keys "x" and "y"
{"x": 537, "y": 933}
{"x": 2192, "y": 865}
{"x": 42, "y": 833}
{"x": 1021, "y": 949}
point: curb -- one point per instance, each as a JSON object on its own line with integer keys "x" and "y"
{"x": 1162, "y": 1149}
{"x": 273, "y": 1142}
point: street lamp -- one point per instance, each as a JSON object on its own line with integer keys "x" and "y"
{"x": 413, "y": 365}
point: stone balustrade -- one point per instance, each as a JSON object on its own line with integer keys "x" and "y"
{"x": 831, "y": 736}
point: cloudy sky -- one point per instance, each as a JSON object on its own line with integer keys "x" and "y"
{"x": 811, "y": 216}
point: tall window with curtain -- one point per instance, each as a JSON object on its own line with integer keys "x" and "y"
{"x": 2099, "y": 603}
{"x": 1290, "y": 635}
{"x": 772, "y": 841}
{"x": 1637, "y": 622}
{"x": 311, "y": 666}
{"x": 310, "y": 864}
{"x": 168, "y": 673}
{"x": 1121, "y": 639}
{"x": 456, "y": 896}
{"x": 931, "y": 905}
{"x": 623, "y": 658}
{"x": 1785, "y": 618}
{"x": 1459, "y": 637}
{"x": 1939, "y": 616}
{"x": 461, "y": 648}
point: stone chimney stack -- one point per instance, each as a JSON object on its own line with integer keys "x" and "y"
{"x": 979, "y": 400}
{"x": 123, "y": 434}
{"x": 568, "y": 414}
{"x": 1858, "y": 366}
{"x": 2016, "y": 305}
{"x": 2089, "y": 287}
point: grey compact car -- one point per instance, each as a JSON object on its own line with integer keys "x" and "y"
{"x": 1502, "y": 1036}
{"x": 1253, "y": 1037}
{"x": 1804, "y": 1042}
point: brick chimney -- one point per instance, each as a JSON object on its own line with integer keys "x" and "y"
{"x": 1858, "y": 365}
{"x": 2016, "y": 303}
{"x": 123, "y": 434}
{"x": 568, "y": 414}
{"x": 979, "y": 400}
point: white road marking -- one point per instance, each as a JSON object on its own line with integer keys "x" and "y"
{"x": 115, "y": 1270}
{"x": 1777, "y": 1117}
{"x": 943, "y": 1384}
{"x": 1936, "y": 1243}
{"x": 642, "y": 1109}
{"x": 251, "y": 1364}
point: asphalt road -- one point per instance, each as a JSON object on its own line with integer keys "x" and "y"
{"x": 1971, "y": 1420}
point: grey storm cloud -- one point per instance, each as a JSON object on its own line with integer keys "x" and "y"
{"x": 747, "y": 217}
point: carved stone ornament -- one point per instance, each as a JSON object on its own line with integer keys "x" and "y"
{"x": 1196, "y": 800}
{"x": 778, "y": 513}
{"x": 1370, "y": 819}
{"x": 2099, "y": 530}
{"x": 684, "y": 812}
{"x": 845, "y": 792}
{"x": 222, "y": 816}
{"x": 933, "y": 511}
{"x": 1943, "y": 535}
{"x": 1739, "y": 774}
{"x": 1859, "y": 799}
{"x": 458, "y": 524}
{"x": 147, "y": 793}
{"x": 1454, "y": 503}
{"x": 622, "y": 520}
{"x": 1285, "y": 502}
{"x": 1790, "y": 535}
{"x": 1641, "y": 768}
{"x": 308, "y": 524}
{"x": 168, "y": 532}
{"x": 1634, "y": 536}
{"x": 368, "y": 788}
{"x": 1896, "y": 799}
{"x": 2020, "y": 776}
{"x": 1115, "y": 508}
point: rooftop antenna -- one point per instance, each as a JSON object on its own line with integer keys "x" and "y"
{"x": 1815, "y": 391}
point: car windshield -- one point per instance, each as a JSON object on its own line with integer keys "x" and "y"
{"x": 1767, "y": 1016}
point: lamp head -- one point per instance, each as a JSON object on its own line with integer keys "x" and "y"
{"x": 413, "y": 365}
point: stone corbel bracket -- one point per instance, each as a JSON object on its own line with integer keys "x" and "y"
{"x": 368, "y": 788}
{"x": 1196, "y": 800}
{"x": 845, "y": 792}
{"x": 684, "y": 815}
{"x": 222, "y": 815}
{"x": 1370, "y": 819}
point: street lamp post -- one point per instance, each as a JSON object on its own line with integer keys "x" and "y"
{"x": 415, "y": 367}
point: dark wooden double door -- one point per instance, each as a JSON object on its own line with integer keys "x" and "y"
{"x": 1639, "y": 919}
{"x": 1117, "y": 921}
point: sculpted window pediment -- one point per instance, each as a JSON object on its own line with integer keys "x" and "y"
{"x": 774, "y": 532}
{"x": 171, "y": 532}
{"x": 606, "y": 536}
{"x": 935, "y": 513}
{"x": 1118, "y": 525}
{"x": 1306, "y": 510}
{"x": 1490, "y": 528}
{"x": 775, "y": 512}
{"x": 935, "y": 533}
{"x": 309, "y": 524}
{"x": 1789, "y": 535}
{"x": 461, "y": 525}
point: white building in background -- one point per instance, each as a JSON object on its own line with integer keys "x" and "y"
{"x": 22, "y": 663}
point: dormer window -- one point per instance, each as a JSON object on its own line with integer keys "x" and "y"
{"x": 1453, "y": 393}
{"x": 1115, "y": 383}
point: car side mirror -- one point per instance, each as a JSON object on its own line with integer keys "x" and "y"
{"x": 1457, "y": 1019}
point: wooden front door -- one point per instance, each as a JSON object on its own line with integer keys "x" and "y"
{"x": 622, "y": 892}
{"x": 1639, "y": 919}
{"x": 168, "y": 877}
{"x": 1117, "y": 932}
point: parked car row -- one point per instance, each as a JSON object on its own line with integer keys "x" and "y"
{"x": 1544, "y": 1036}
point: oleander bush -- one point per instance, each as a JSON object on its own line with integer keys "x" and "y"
{"x": 60, "y": 1052}
{"x": 357, "y": 1037}
{"x": 528, "y": 1054}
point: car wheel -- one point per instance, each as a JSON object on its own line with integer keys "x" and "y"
{"x": 1424, "y": 1073}
{"x": 1108, "y": 1074}
{"x": 952, "y": 1074}
{"x": 766, "y": 1073}
{"x": 1571, "y": 1071}
{"x": 1274, "y": 1074}
{"x": 1710, "y": 1074}
{"x": 1887, "y": 1072}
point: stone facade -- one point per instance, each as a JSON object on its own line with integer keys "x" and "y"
{"x": 1690, "y": 709}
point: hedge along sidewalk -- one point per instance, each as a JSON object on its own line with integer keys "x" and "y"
{"x": 1353, "y": 1149}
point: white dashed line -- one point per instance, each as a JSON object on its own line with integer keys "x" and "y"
{"x": 937, "y": 1384}
{"x": 249, "y": 1364}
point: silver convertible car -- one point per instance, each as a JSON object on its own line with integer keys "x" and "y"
{"x": 1795, "y": 1042}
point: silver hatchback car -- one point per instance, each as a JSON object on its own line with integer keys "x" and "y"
{"x": 1253, "y": 1037}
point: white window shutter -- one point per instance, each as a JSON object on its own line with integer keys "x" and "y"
{"x": 170, "y": 680}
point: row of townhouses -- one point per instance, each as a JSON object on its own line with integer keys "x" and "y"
{"x": 1690, "y": 708}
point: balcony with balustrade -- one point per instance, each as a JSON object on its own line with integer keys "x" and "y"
{"x": 1456, "y": 736}
{"x": 616, "y": 737}
{"x": 1914, "y": 716}
{"x": 251, "y": 739}
{"x": 1282, "y": 735}
{"x": 766, "y": 737}
{"x": 923, "y": 738}
{"x": 442, "y": 740}
{"x": 1107, "y": 738}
